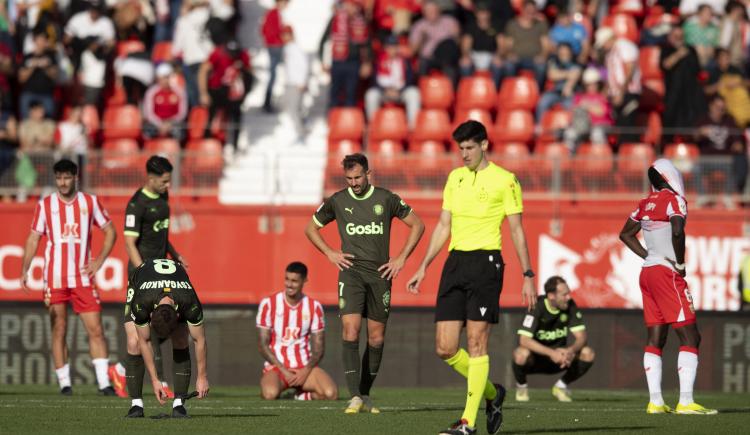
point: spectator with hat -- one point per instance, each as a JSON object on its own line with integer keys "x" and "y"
{"x": 165, "y": 107}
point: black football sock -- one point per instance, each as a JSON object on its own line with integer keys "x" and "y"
{"x": 182, "y": 371}
{"x": 576, "y": 370}
{"x": 370, "y": 366}
{"x": 156, "y": 346}
{"x": 135, "y": 370}
{"x": 519, "y": 373}
{"x": 350, "y": 354}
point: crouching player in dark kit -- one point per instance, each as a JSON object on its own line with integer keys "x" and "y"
{"x": 161, "y": 300}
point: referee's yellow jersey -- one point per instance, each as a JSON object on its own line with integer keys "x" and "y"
{"x": 478, "y": 202}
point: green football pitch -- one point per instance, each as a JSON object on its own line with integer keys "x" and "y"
{"x": 41, "y": 410}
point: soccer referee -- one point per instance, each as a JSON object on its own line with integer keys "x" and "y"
{"x": 476, "y": 200}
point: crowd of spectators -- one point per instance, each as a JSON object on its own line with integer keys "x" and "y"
{"x": 582, "y": 53}
{"x": 165, "y": 57}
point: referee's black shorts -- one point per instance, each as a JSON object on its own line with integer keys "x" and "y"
{"x": 470, "y": 287}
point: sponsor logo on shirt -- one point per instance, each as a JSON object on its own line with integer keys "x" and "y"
{"x": 359, "y": 230}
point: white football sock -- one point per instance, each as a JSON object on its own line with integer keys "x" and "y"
{"x": 687, "y": 367}
{"x": 176, "y": 403}
{"x": 522, "y": 385}
{"x": 137, "y": 402}
{"x": 652, "y": 366}
{"x": 100, "y": 367}
{"x": 63, "y": 376}
{"x": 561, "y": 384}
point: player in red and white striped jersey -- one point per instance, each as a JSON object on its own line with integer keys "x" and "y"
{"x": 291, "y": 338}
{"x": 66, "y": 218}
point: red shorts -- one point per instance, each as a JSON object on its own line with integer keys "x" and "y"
{"x": 666, "y": 297}
{"x": 83, "y": 299}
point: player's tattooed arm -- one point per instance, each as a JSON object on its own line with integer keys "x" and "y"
{"x": 628, "y": 237}
{"x": 264, "y": 347}
{"x": 318, "y": 347}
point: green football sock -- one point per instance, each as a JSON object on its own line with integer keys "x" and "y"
{"x": 350, "y": 354}
{"x": 460, "y": 363}
{"x": 182, "y": 370}
{"x": 370, "y": 366}
{"x": 135, "y": 370}
{"x": 479, "y": 368}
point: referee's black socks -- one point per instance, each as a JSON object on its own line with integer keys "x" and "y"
{"x": 350, "y": 354}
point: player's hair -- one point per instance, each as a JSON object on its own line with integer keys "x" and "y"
{"x": 164, "y": 320}
{"x": 550, "y": 286}
{"x": 158, "y": 165}
{"x": 352, "y": 160}
{"x": 657, "y": 180}
{"x": 470, "y": 130}
{"x": 65, "y": 166}
{"x": 297, "y": 267}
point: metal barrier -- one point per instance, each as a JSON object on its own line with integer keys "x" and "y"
{"x": 112, "y": 173}
{"x": 606, "y": 177}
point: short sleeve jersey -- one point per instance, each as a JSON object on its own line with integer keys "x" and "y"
{"x": 479, "y": 201}
{"x": 654, "y": 214}
{"x": 364, "y": 224}
{"x": 549, "y": 325}
{"x": 153, "y": 280}
{"x": 147, "y": 217}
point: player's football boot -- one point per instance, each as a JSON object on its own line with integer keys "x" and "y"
{"x": 66, "y": 391}
{"x": 135, "y": 412}
{"x": 460, "y": 427}
{"x": 354, "y": 406}
{"x": 522, "y": 394}
{"x": 118, "y": 381}
{"x": 657, "y": 409}
{"x": 107, "y": 391}
{"x": 167, "y": 390}
{"x": 694, "y": 409}
{"x": 179, "y": 412}
{"x": 367, "y": 406}
{"x": 561, "y": 394}
{"x": 494, "y": 410}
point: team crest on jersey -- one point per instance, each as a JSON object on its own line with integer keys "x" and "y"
{"x": 377, "y": 209}
{"x": 483, "y": 196}
{"x": 563, "y": 317}
{"x": 70, "y": 230}
{"x": 291, "y": 333}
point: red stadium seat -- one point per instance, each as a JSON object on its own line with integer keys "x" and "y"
{"x": 344, "y": 147}
{"x": 479, "y": 115}
{"x": 649, "y": 63}
{"x": 385, "y": 147}
{"x": 432, "y": 125}
{"x": 116, "y": 96}
{"x": 166, "y": 147}
{"x": 427, "y": 148}
{"x": 635, "y": 158}
{"x": 122, "y": 122}
{"x": 512, "y": 156}
{"x": 120, "y": 154}
{"x": 651, "y": 122}
{"x": 388, "y": 124}
{"x": 476, "y": 92}
{"x": 682, "y": 151}
{"x": 595, "y": 158}
{"x": 624, "y": 26}
{"x": 124, "y": 48}
{"x": 436, "y": 91}
{"x": 203, "y": 162}
{"x": 518, "y": 93}
{"x": 652, "y": 95}
{"x": 162, "y": 52}
{"x": 345, "y": 123}
{"x": 197, "y": 120}
{"x": 553, "y": 154}
{"x": 552, "y": 121}
{"x": 514, "y": 126}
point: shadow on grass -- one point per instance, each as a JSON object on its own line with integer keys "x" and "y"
{"x": 734, "y": 410}
{"x": 193, "y": 417}
{"x": 585, "y": 429}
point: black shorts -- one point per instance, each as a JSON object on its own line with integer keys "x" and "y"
{"x": 470, "y": 287}
{"x": 541, "y": 364}
{"x": 364, "y": 293}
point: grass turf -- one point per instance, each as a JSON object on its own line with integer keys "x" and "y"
{"x": 40, "y": 410}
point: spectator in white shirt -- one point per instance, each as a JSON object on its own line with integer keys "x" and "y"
{"x": 135, "y": 72}
{"x": 393, "y": 83}
{"x": 623, "y": 79}
{"x": 72, "y": 133}
{"x": 192, "y": 44}
{"x": 297, "y": 69}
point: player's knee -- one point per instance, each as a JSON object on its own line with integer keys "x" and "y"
{"x": 330, "y": 392}
{"x": 521, "y": 355}
{"x": 269, "y": 393}
{"x": 445, "y": 350}
{"x": 375, "y": 340}
{"x": 133, "y": 347}
{"x": 477, "y": 346}
{"x": 587, "y": 354}
{"x": 350, "y": 333}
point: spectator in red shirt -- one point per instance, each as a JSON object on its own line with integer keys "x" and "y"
{"x": 164, "y": 107}
{"x": 224, "y": 80}
{"x": 271, "y": 30}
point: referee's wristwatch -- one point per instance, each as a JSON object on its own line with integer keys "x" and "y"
{"x": 529, "y": 274}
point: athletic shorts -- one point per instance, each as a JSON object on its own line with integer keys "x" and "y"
{"x": 270, "y": 368}
{"x": 361, "y": 293}
{"x": 82, "y": 299}
{"x": 470, "y": 287}
{"x": 541, "y": 364}
{"x": 666, "y": 297}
